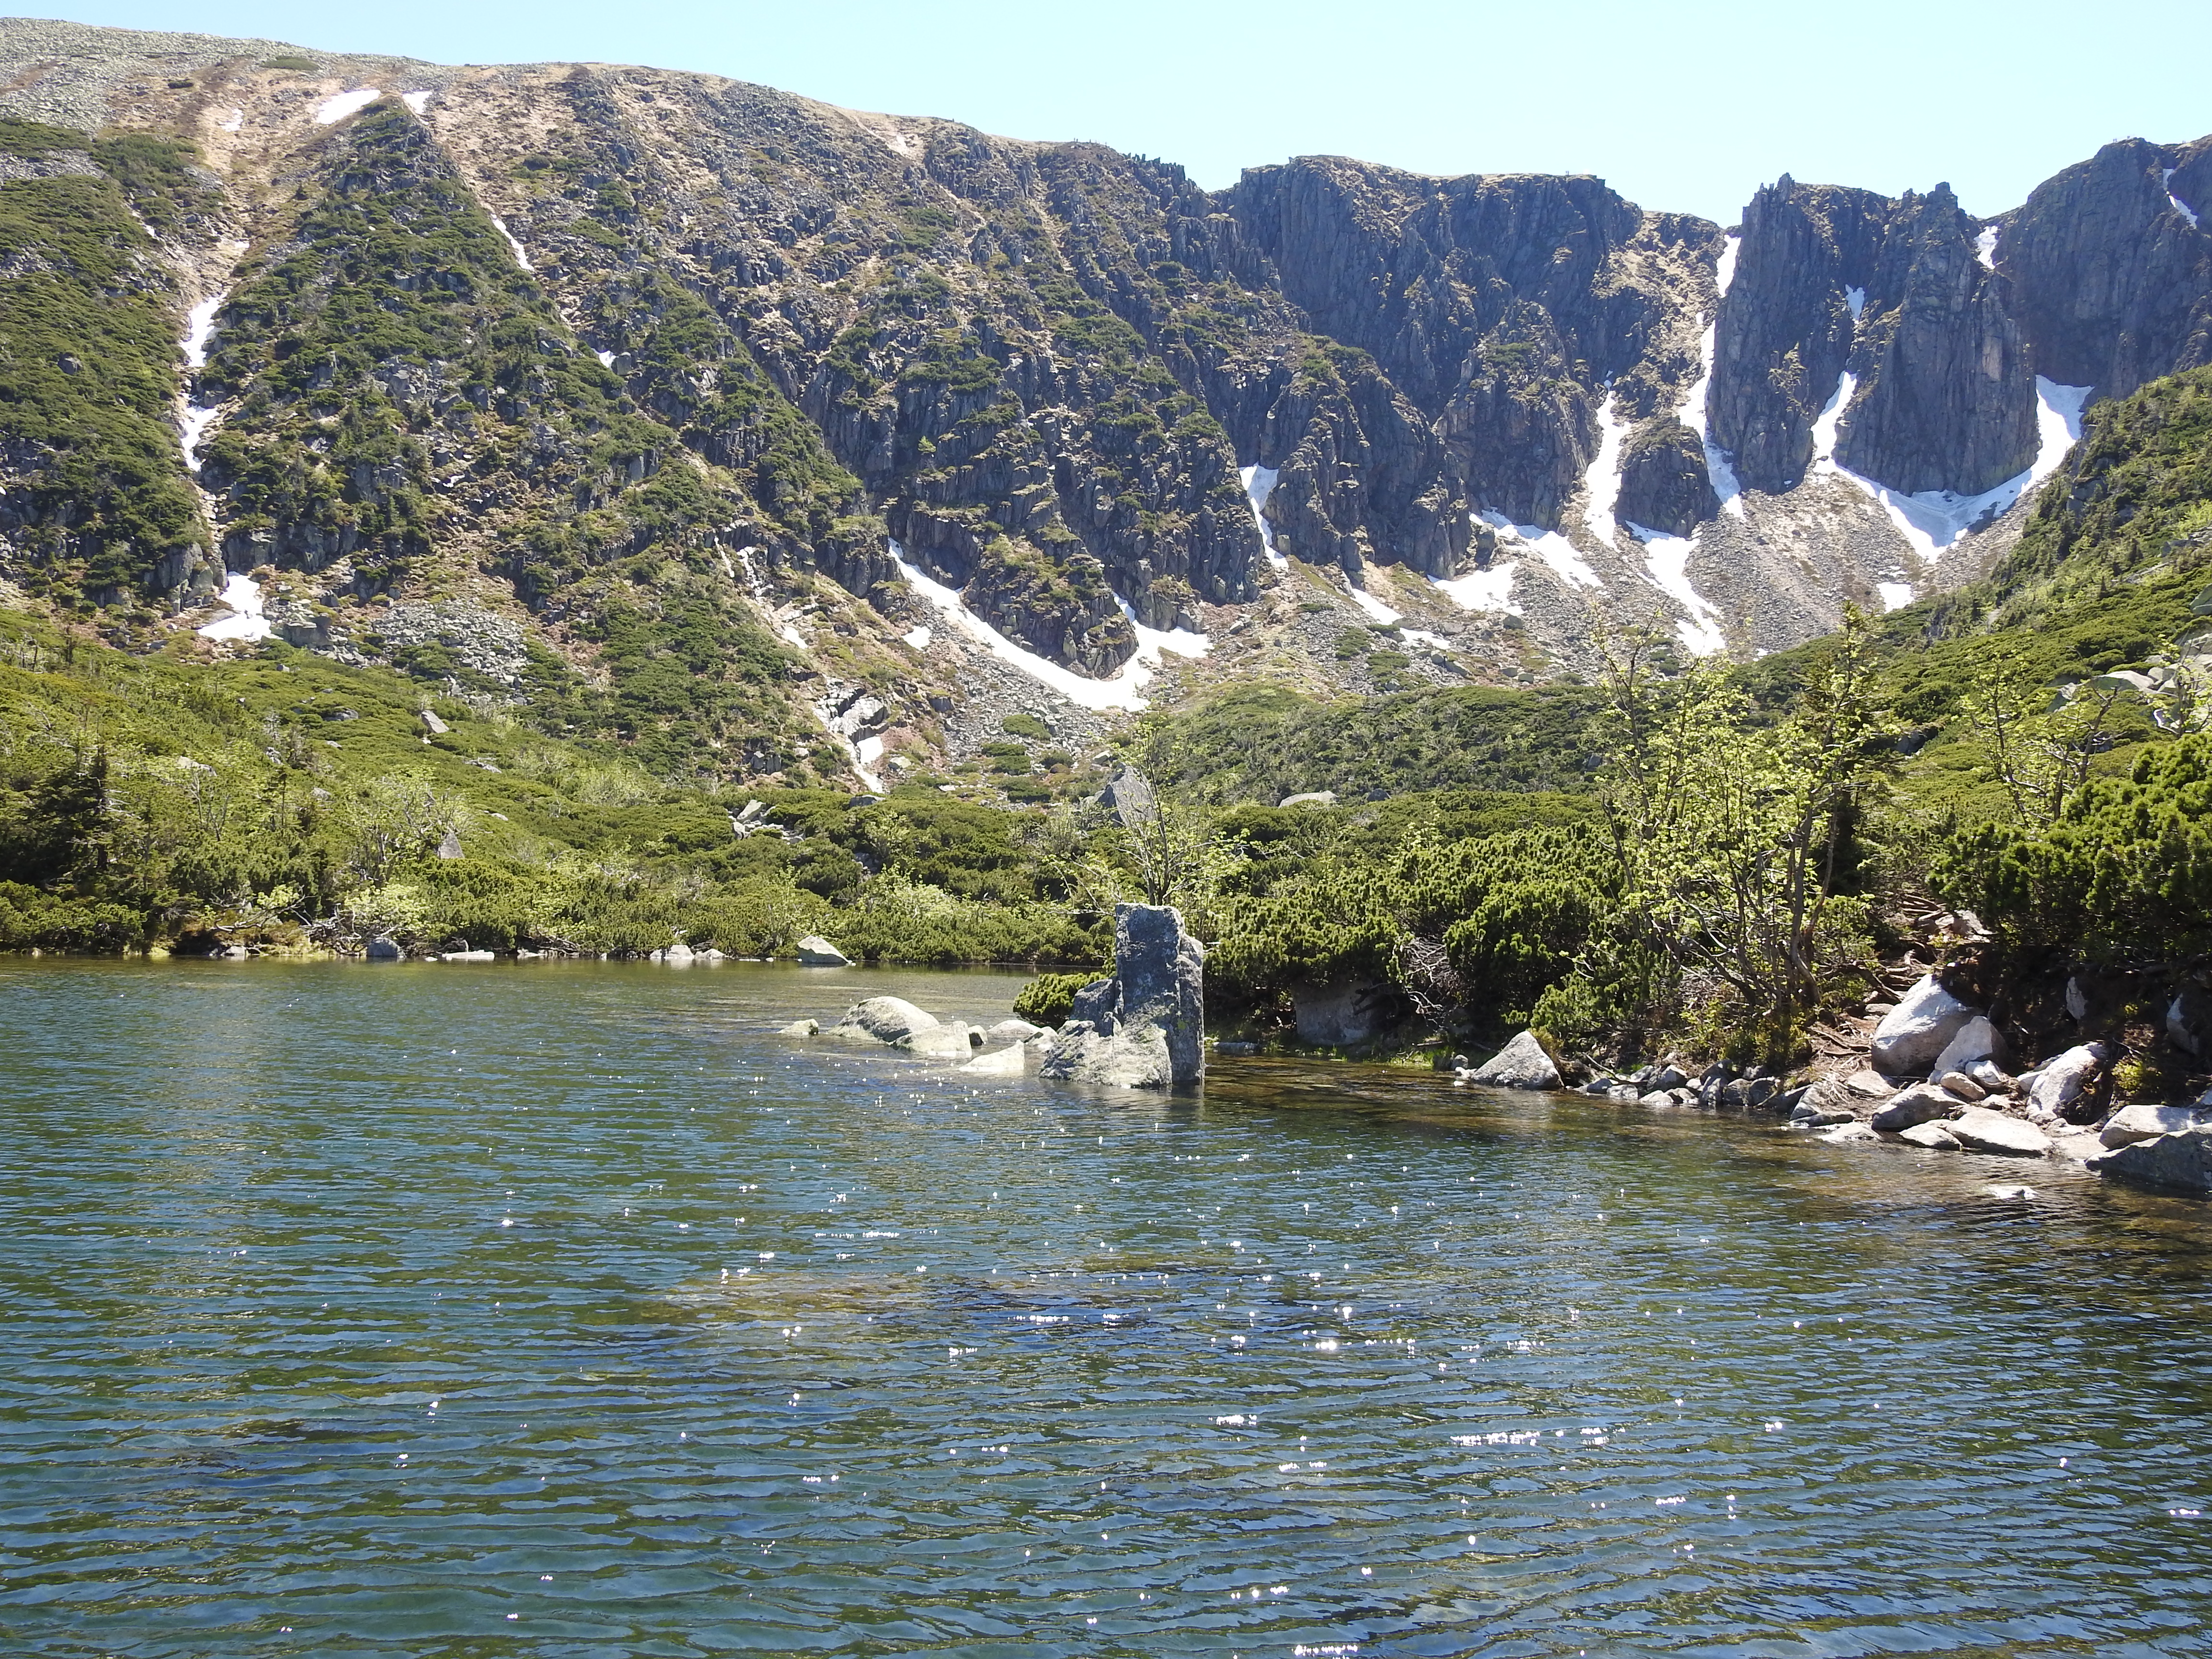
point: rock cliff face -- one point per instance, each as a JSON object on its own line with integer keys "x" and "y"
{"x": 674, "y": 368}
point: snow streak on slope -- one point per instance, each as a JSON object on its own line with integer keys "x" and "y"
{"x": 1558, "y": 554}
{"x": 520, "y": 258}
{"x": 331, "y": 111}
{"x": 1602, "y": 482}
{"x": 2180, "y": 206}
{"x": 1259, "y": 484}
{"x": 1718, "y": 467}
{"x": 1666, "y": 559}
{"x": 417, "y": 101}
{"x": 246, "y": 621}
{"x": 1985, "y": 247}
{"x": 1373, "y": 606}
{"x": 199, "y": 331}
{"x": 1933, "y": 519}
{"x": 1120, "y": 692}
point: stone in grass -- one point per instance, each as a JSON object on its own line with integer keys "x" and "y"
{"x": 1520, "y": 1064}
{"x": 1977, "y": 1129}
{"x": 1933, "y": 1136}
{"x": 1923, "y": 1103}
{"x": 801, "y": 1028}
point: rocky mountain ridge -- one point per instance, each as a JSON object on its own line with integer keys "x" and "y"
{"x": 714, "y": 387}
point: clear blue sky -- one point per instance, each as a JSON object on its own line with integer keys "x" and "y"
{"x": 1687, "y": 104}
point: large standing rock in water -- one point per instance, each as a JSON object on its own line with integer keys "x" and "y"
{"x": 1146, "y": 1027}
{"x": 1914, "y": 1033}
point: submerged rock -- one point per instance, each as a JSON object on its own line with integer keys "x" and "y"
{"x": 1914, "y": 1034}
{"x": 1520, "y": 1064}
{"x": 801, "y": 1028}
{"x": 384, "y": 950}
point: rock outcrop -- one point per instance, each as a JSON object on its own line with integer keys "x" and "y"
{"x": 1146, "y": 1027}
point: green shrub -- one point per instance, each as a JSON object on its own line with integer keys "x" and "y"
{"x": 1046, "y": 999}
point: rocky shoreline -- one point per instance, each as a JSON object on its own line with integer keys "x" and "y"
{"x": 1931, "y": 1076}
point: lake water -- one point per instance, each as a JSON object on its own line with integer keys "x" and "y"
{"x": 563, "y": 1310}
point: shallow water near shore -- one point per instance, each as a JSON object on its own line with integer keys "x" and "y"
{"x": 563, "y": 1310}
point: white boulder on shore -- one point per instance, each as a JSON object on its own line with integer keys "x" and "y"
{"x": 1913, "y": 1035}
{"x": 815, "y": 951}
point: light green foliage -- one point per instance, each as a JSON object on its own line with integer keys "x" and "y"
{"x": 1046, "y": 999}
{"x": 1732, "y": 835}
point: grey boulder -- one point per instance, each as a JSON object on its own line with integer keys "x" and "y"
{"x": 1013, "y": 1031}
{"x": 2171, "y": 1164}
{"x": 1913, "y": 1034}
{"x": 941, "y": 1041}
{"x": 2188, "y": 1020}
{"x": 815, "y": 951}
{"x": 2143, "y": 1120}
{"x": 1933, "y": 1136}
{"x": 384, "y": 950}
{"x": 801, "y": 1028}
{"x": 1975, "y": 1040}
{"x": 1977, "y": 1129}
{"x": 1520, "y": 1064}
{"x": 2056, "y": 1083}
{"x": 1133, "y": 1057}
{"x": 1924, "y": 1103}
{"x": 882, "y": 1019}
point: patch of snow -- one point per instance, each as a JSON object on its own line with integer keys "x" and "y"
{"x": 246, "y": 621}
{"x": 1667, "y": 561}
{"x": 1933, "y": 519}
{"x": 1122, "y": 692}
{"x": 1724, "y": 270}
{"x": 1602, "y": 482}
{"x": 417, "y": 101}
{"x": 918, "y": 638}
{"x": 1825, "y": 424}
{"x": 1718, "y": 468}
{"x": 1421, "y": 636}
{"x": 1985, "y": 247}
{"x": 793, "y": 637}
{"x": 1895, "y": 596}
{"x": 1373, "y": 606}
{"x": 1482, "y": 590}
{"x": 1558, "y": 554}
{"x": 2180, "y": 206}
{"x": 199, "y": 329}
{"x": 606, "y": 358}
{"x": 1259, "y": 484}
{"x": 333, "y": 111}
{"x": 1855, "y": 299}
{"x": 193, "y": 422}
{"x": 520, "y": 258}
{"x": 234, "y": 121}
{"x": 867, "y": 754}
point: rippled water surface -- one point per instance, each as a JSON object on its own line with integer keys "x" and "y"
{"x": 565, "y": 1310}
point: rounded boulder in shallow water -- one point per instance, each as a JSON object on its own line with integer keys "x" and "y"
{"x": 882, "y": 1019}
{"x": 1924, "y": 1103}
{"x": 942, "y": 1041}
{"x": 2170, "y": 1164}
{"x": 815, "y": 951}
{"x": 1913, "y": 1035}
{"x": 1520, "y": 1064}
